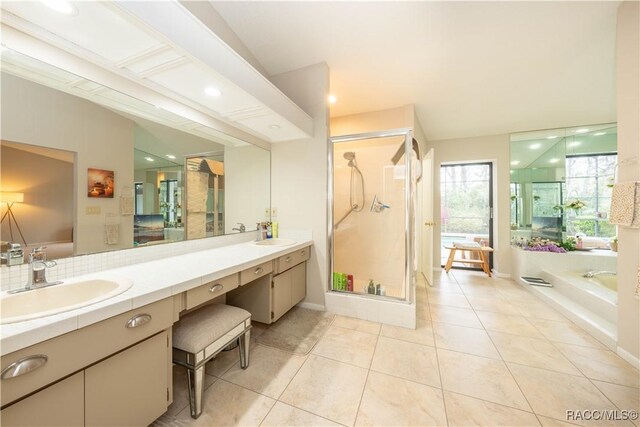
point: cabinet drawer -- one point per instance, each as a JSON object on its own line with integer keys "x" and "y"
{"x": 251, "y": 274}
{"x": 204, "y": 293}
{"x": 285, "y": 262}
{"x": 75, "y": 350}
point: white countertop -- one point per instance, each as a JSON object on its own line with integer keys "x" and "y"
{"x": 152, "y": 281}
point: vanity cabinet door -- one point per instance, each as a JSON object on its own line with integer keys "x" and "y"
{"x": 61, "y": 404}
{"x": 280, "y": 295}
{"x": 298, "y": 283}
{"x": 131, "y": 387}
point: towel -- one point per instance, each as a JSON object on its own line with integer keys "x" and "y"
{"x": 635, "y": 223}
{"x": 623, "y": 201}
{"x": 127, "y": 205}
{"x": 112, "y": 234}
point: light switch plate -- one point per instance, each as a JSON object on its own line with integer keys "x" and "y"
{"x": 267, "y": 212}
{"x": 274, "y": 212}
{"x": 92, "y": 210}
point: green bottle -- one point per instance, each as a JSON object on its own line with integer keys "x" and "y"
{"x": 371, "y": 289}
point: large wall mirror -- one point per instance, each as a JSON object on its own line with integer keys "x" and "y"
{"x": 91, "y": 169}
{"x": 561, "y": 184}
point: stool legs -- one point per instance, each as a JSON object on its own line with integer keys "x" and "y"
{"x": 244, "y": 344}
{"x": 196, "y": 382}
{"x": 452, "y": 254}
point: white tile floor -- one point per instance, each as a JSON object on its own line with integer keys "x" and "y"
{"x": 485, "y": 352}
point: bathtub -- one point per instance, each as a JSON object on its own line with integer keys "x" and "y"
{"x": 592, "y": 302}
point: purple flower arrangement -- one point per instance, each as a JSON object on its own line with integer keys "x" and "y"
{"x": 543, "y": 245}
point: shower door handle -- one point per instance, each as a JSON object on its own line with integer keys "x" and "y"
{"x": 430, "y": 224}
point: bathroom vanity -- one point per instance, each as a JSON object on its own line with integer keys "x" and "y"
{"x": 110, "y": 363}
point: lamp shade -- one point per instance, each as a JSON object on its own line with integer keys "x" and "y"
{"x": 11, "y": 197}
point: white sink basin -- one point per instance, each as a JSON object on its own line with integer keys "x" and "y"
{"x": 58, "y": 298}
{"x": 275, "y": 242}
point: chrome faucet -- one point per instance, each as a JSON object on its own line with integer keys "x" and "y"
{"x": 38, "y": 265}
{"x": 594, "y": 273}
{"x": 241, "y": 228}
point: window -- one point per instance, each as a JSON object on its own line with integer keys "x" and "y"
{"x": 588, "y": 180}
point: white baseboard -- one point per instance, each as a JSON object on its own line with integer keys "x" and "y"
{"x": 311, "y": 306}
{"x": 628, "y": 357}
{"x": 437, "y": 268}
{"x": 502, "y": 275}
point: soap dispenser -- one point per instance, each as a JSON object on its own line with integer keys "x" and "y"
{"x": 372, "y": 288}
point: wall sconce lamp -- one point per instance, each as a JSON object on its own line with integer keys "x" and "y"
{"x": 10, "y": 197}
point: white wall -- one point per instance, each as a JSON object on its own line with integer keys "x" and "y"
{"x": 46, "y": 195}
{"x": 37, "y": 115}
{"x": 299, "y": 172}
{"x": 494, "y": 148}
{"x": 247, "y": 186}
{"x": 628, "y": 92}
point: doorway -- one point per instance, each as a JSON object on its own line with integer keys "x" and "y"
{"x": 466, "y": 206}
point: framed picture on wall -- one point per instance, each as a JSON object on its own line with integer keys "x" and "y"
{"x": 100, "y": 183}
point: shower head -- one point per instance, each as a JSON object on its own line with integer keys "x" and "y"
{"x": 349, "y": 155}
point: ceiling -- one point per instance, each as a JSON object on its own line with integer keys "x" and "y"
{"x": 470, "y": 68}
{"x": 124, "y": 38}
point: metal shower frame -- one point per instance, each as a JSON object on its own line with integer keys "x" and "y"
{"x": 409, "y": 218}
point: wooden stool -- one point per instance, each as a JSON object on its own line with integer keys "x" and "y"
{"x": 482, "y": 253}
{"x": 199, "y": 336}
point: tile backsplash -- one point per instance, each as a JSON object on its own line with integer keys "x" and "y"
{"x": 16, "y": 276}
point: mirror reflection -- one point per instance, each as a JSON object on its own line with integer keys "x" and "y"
{"x": 561, "y": 184}
{"x": 97, "y": 170}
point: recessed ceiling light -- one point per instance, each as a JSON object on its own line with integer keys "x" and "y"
{"x": 332, "y": 99}
{"x": 274, "y": 127}
{"x": 575, "y": 143}
{"x": 212, "y": 91}
{"x": 583, "y": 130}
{"x": 61, "y": 6}
{"x": 535, "y": 146}
{"x": 171, "y": 156}
{"x": 515, "y": 162}
{"x": 554, "y": 160}
{"x": 149, "y": 159}
{"x": 599, "y": 133}
{"x": 552, "y": 137}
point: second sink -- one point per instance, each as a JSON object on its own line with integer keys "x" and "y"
{"x": 275, "y": 242}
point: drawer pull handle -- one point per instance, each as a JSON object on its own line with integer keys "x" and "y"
{"x": 215, "y": 288}
{"x": 287, "y": 259}
{"x": 258, "y": 270}
{"x": 138, "y": 320}
{"x": 302, "y": 252}
{"x": 23, "y": 366}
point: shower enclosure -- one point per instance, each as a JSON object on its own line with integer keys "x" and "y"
{"x": 372, "y": 189}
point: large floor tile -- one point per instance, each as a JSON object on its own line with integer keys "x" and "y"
{"x": 423, "y": 334}
{"x": 465, "y": 340}
{"x": 270, "y": 371}
{"x": 327, "y": 388}
{"x": 286, "y": 415}
{"x": 496, "y": 304}
{"x": 565, "y": 332}
{"x": 390, "y": 401}
{"x": 537, "y": 310}
{"x": 551, "y": 422}
{"x": 535, "y": 352}
{"x": 423, "y": 312}
{"x": 625, "y": 398}
{"x": 603, "y": 365}
{"x": 407, "y": 360}
{"x": 347, "y": 345}
{"x": 552, "y": 394}
{"x": 181, "y": 389}
{"x": 446, "y": 286}
{"x": 226, "y": 404}
{"x": 480, "y": 377}
{"x": 516, "y": 325}
{"x": 357, "y": 324}
{"x": 448, "y": 299}
{"x": 468, "y": 411}
{"x": 222, "y": 362}
{"x": 479, "y": 290}
{"x": 455, "y": 316}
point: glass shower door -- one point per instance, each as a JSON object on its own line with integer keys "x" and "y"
{"x": 370, "y": 217}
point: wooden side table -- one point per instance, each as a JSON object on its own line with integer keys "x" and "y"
{"x": 482, "y": 253}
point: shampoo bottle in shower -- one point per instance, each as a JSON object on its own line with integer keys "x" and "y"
{"x": 372, "y": 288}
{"x": 350, "y": 282}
